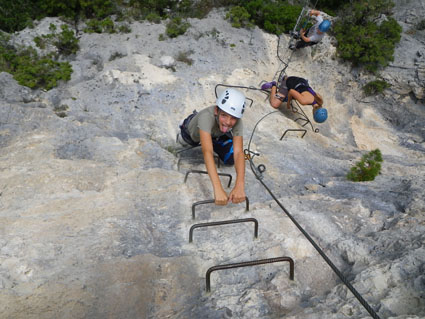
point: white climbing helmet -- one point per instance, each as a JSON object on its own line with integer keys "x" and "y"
{"x": 232, "y": 102}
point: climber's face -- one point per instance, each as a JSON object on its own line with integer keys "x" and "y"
{"x": 225, "y": 120}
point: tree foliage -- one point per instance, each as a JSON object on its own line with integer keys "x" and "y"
{"x": 375, "y": 87}
{"x": 65, "y": 42}
{"x": 239, "y": 17}
{"x": 363, "y": 38}
{"x": 367, "y": 168}
{"x": 176, "y": 26}
{"x": 18, "y": 14}
{"x": 274, "y": 17}
{"x": 30, "y": 69}
{"x": 330, "y": 5}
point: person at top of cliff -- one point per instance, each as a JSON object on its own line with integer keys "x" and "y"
{"x": 314, "y": 34}
{"x": 219, "y": 129}
{"x": 297, "y": 88}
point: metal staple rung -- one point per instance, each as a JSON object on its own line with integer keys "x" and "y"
{"x": 298, "y": 110}
{"x": 205, "y": 172}
{"x": 224, "y": 222}
{"x": 211, "y": 201}
{"x": 294, "y": 130}
{"x": 250, "y": 263}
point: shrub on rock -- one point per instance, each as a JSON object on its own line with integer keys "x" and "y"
{"x": 367, "y": 168}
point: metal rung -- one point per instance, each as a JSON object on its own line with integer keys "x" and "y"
{"x": 303, "y": 117}
{"x": 205, "y": 172}
{"x": 224, "y": 222}
{"x": 211, "y": 201}
{"x": 294, "y": 130}
{"x": 250, "y": 263}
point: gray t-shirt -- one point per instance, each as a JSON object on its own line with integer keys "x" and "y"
{"x": 206, "y": 121}
{"x": 312, "y": 33}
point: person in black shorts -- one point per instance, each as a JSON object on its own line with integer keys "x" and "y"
{"x": 297, "y": 88}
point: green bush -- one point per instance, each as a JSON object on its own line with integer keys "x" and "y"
{"x": 153, "y": 17}
{"x": 364, "y": 42}
{"x": 77, "y": 8}
{"x": 93, "y": 26}
{"x": 375, "y": 87}
{"x": 31, "y": 70}
{"x": 326, "y": 5}
{"x": 125, "y": 28}
{"x": 239, "y": 17}
{"x": 160, "y": 7}
{"x": 100, "y": 26}
{"x": 65, "y": 41}
{"x": 271, "y": 16}
{"x": 176, "y": 27}
{"x": 368, "y": 168}
{"x": 18, "y": 14}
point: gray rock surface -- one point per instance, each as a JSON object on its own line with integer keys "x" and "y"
{"x": 95, "y": 217}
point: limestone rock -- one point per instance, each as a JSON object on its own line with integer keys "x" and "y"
{"x": 95, "y": 214}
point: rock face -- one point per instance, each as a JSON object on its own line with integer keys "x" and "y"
{"x": 95, "y": 217}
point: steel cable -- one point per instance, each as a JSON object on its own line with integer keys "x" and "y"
{"x": 258, "y": 174}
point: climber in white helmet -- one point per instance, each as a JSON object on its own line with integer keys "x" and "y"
{"x": 219, "y": 129}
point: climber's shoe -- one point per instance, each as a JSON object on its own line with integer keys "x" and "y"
{"x": 268, "y": 85}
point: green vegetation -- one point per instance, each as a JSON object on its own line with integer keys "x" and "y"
{"x": 153, "y": 17}
{"x": 274, "y": 17}
{"x": 368, "y": 167}
{"x": 363, "y": 41}
{"x": 375, "y": 87}
{"x": 18, "y": 14}
{"x": 105, "y": 26}
{"x": 176, "y": 27}
{"x": 239, "y": 17}
{"x": 100, "y": 26}
{"x": 65, "y": 42}
{"x": 30, "y": 69}
{"x": 364, "y": 38}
